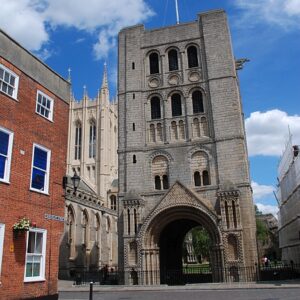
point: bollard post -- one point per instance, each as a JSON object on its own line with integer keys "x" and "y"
{"x": 91, "y": 291}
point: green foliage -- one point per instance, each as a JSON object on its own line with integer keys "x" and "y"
{"x": 257, "y": 211}
{"x": 201, "y": 242}
{"x": 262, "y": 232}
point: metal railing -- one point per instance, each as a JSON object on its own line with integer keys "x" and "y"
{"x": 188, "y": 275}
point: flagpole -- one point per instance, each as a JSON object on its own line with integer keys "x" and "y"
{"x": 177, "y": 13}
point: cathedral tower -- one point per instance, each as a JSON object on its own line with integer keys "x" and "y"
{"x": 182, "y": 149}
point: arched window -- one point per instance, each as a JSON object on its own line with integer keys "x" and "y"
{"x": 227, "y": 215}
{"x": 97, "y": 230}
{"x": 85, "y": 228}
{"x": 128, "y": 221}
{"x": 78, "y": 138}
{"x": 192, "y": 57}
{"x": 197, "y": 102}
{"x": 165, "y": 182}
{"x": 196, "y": 128}
{"x": 197, "y": 179}
{"x": 176, "y": 105}
{"x": 181, "y": 130}
{"x": 152, "y": 133}
{"x": 160, "y": 172}
{"x": 159, "y": 132}
{"x": 155, "y": 108}
{"x": 135, "y": 220}
{"x": 173, "y": 60}
{"x": 234, "y": 215}
{"x": 154, "y": 63}
{"x": 205, "y": 178}
{"x": 157, "y": 183}
{"x": 113, "y": 202}
{"x": 92, "y": 141}
{"x": 174, "y": 133}
{"x": 204, "y": 127}
{"x": 71, "y": 232}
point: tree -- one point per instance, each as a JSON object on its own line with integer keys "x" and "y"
{"x": 201, "y": 242}
{"x": 257, "y": 211}
{"x": 262, "y": 232}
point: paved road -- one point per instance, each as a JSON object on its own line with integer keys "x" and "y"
{"x": 244, "y": 294}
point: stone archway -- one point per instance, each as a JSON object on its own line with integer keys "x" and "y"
{"x": 162, "y": 237}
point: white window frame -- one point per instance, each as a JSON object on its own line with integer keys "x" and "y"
{"x": 47, "y": 176}
{"x": 2, "y": 230}
{"x": 9, "y": 155}
{"x": 16, "y": 85}
{"x": 50, "y": 118}
{"x": 43, "y": 256}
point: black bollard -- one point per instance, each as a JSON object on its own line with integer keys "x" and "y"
{"x": 91, "y": 291}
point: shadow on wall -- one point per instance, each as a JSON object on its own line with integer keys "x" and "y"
{"x": 83, "y": 261}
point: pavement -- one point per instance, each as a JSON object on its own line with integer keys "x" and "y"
{"x": 67, "y": 286}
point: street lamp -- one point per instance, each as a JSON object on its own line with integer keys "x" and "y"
{"x": 75, "y": 179}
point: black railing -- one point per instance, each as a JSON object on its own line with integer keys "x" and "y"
{"x": 187, "y": 275}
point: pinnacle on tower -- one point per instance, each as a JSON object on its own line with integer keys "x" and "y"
{"x": 104, "y": 80}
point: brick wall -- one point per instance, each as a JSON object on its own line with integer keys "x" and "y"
{"x": 16, "y": 199}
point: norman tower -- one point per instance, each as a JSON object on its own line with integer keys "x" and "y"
{"x": 182, "y": 149}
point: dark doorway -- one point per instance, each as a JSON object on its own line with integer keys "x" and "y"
{"x": 173, "y": 271}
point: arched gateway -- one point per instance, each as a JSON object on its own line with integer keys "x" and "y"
{"x": 162, "y": 235}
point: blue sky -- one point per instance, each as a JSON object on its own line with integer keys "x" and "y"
{"x": 68, "y": 33}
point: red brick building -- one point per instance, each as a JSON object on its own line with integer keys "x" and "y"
{"x": 34, "y": 106}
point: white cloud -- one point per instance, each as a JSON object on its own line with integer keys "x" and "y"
{"x": 267, "y": 209}
{"x": 267, "y": 132}
{"x": 284, "y": 13}
{"x": 105, "y": 43}
{"x": 30, "y": 21}
{"x": 261, "y": 191}
{"x": 22, "y": 20}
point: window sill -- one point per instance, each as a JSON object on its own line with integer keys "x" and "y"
{"x": 4, "y": 181}
{"x": 50, "y": 120}
{"x": 15, "y": 99}
{"x": 34, "y": 279}
{"x": 39, "y": 192}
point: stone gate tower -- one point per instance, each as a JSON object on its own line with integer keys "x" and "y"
{"x": 182, "y": 149}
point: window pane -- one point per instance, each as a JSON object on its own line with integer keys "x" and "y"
{"x": 192, "y": 57}
{"x": 173, "y": 60}
{"x": 155, "y": 108}
{"x": 1, "y": 73}
{"x": 4, "y": 137}
{"x": 2, "y": 166}
{"x": 40, "y": 158}
{"x": 4, "y": 87}
{"x": 12, "y": 80}
{"x": 39, "y": 242}
{"x": 36, "y": 268}
{"x": 48, "y": 104}
{"x": 6, "y": 77}
{"x": 38, "y": 179}
{"x": 44, "y": 101}
{"x": 197, "y": 102}
{"x": 39, "y": 98}
{"x": 154, "y": 63}
{"x": 176, "y": 105}
{"x": 29, "y": 267}
{"x": 31, "y": 242}
{"x": 10, "y": 90}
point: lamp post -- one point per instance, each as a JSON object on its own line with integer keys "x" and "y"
{"x": 76, "y": 180}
